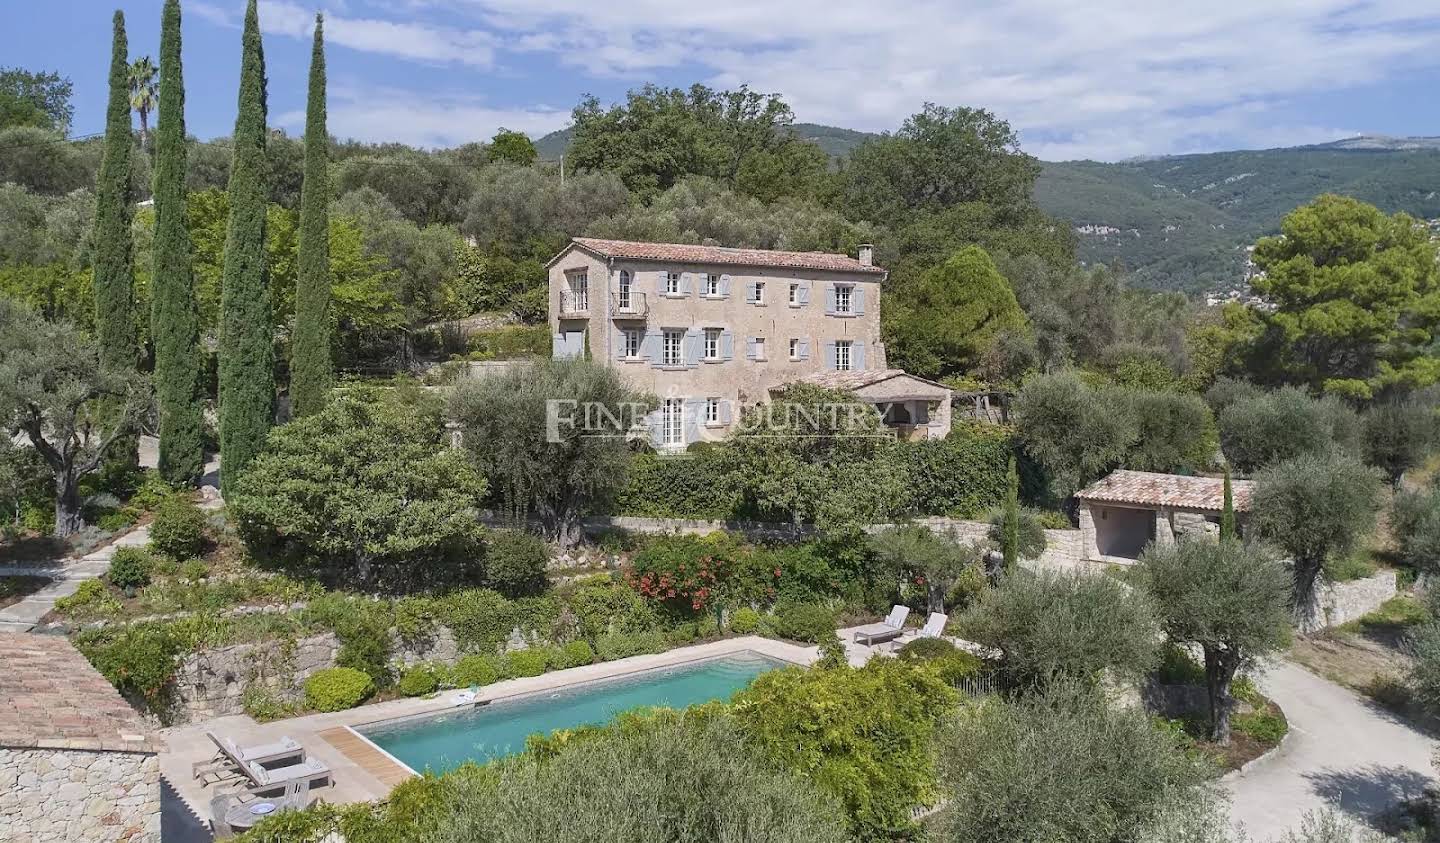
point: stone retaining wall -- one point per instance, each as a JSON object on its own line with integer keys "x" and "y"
{"x": 78, "y": 795}
{"x": 1340, "y": 603}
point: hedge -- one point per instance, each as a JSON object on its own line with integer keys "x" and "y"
{"x": 337, "y": 688}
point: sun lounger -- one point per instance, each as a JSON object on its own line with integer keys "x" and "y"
{"x": 232, "y": 758}
{"x": 934, "y": 626}
{"x": 887, "y": 630}
{"x": 262, "y": 780}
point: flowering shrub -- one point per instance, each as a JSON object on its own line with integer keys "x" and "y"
{"x": 683, "y": 572}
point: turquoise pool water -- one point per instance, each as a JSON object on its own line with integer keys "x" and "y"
{"x": 446, "y": 741}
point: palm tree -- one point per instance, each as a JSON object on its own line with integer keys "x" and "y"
{"x": 143, "y": 93}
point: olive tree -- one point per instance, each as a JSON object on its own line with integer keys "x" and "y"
{"x": 1055, "y": 624}
{"x": 1229, "y": 598}
{"x": 529, "y": 430}
{"x": 1314, "y": 507}
{"x": 1270, "y": 427}
{"x": 71, "y": 407}
{"x": 1072, "y": 435}
{"x": 937, "y": 559}
{"x": 1397, "y": 436}
{"x": 1064, "y": 764}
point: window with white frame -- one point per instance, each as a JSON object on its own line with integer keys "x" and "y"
{"x": 712, "y": 286}
{"x": 794, "y": 348}
{"x": 712, "y": 410}
{"x": 671, "y": 355}
{"x": 633, "y": 337}
{"x": 579, "y": 291}
{"x": 712, "y": 343}
{"x": 842, "y": 298}
{"x": 672, "y": 422}
{"x": 625, "y": 284}
{"x": 672, "y": 283}
{"x": 759, "y": 348}
{"x": 842, "y": 355}
{"x": 759, "y": 292}
{"x": 794, "y": 295}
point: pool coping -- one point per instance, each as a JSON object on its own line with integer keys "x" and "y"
{"x": 517, "y": 697}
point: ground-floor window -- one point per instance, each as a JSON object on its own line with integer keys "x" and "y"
{"x": 842, "y": 355}
{"x": 672, "y": 422}
{"x": 712, "y": 411}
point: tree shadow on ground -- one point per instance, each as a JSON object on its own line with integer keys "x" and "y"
{"x": 34, "y": 551}
{"x": 1365, "y": 793}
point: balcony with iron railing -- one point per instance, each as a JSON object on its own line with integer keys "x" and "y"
{"x": 629, "y": 305}
{"x": 573, "y": 303}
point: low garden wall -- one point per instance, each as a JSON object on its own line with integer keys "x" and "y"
{"x": 1342, "y": 602}
{"x": 74, "y": 795}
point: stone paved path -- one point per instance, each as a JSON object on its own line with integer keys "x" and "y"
{"x": 66, "y": 576}
{"x": 1343, "y": 754}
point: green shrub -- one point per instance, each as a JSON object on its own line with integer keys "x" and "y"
{"x": 961, "y": 475}
{"x": 948, "y": 662}
{"x": 139, "y": 659}
{"x": 178, "y": 530}
{"x": 130, "y": 568}
{"x": 807, "y": 622}
{"x": 925, "y": 649}
{"x": 680, "y": 633}
{"x": 529, "y": 662}
{"x": 1178, "y": 667}
{"x": 508, "y": 342}
{"x": 194, "y": 570}
{"x": 745, "y": 621}
{"x": 698, "y": 487}
{"x": 115, "y": 520}
{"x": 576, "y": 654}
{"x": 1267, "y": 727}
{"x": 1351, "y": 566}
{"x": 515, "y": 562}
{"x": 421, "y": 679}
{"x": 476, "y": 670}
{"x": 620, "y": 645}
{"x": 152, "y": 491}
{"x": 1244, "y": 690}
{"x": 337, "y": 688}
{"x": 261, "y": 705}
{"x": 91, "y": 600}
{"x": 479, "y": 618}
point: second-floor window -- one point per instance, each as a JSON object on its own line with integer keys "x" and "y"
{"x": 712, "y": 343}
{"x": 672, "y": 283}
{"x": 842, "y": 299}
{"x": 794, "y": 349}
{"x": 842, "y": 355}
{"x": 579, "y": 291}
{"x": 632, "y": 344}
{"x": 712, "y": 411}
{"x": 671, "y": 349}
{"x": 759, "y": 292}
{"x": 712, "y": 286}
{"x": 625, "y": 284}
{"x": 794, "y": 295}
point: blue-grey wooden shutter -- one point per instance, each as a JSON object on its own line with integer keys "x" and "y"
{"x": 829, "y": 355}
{"x": 557, "y": 346}
{"x": 725, "y": 286}
{"x": 694, "y": 417}
{"x": 656, "y": 422}
{"x": 727, "y": 345}
{"x": 804, "y": 294}
{"x": 830, "y": 299}
{"x": 619, "y": 340}
{"x": 857, "y": 300}
{"x": 687, "y": 281}
{"x": 662, "y": 279}
{"x": 750, "y": 350}
{"x": 857, "y": 356}
{"x": 690, "y": 348}
{"x": 651, "y": 347}
{"x": 803, "y": 351}
{"x": 726, "y": 411}
{"x": 752, "y": 292}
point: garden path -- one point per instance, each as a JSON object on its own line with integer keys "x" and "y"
{"x": 1344, "y": 753}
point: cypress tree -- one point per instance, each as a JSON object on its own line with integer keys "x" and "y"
{"x": 174, "y": 322}
{"x": 114, "y": 269}
{"x": 1010, "y": 525}
{"x": 310, "y": 372}
{"x": 1227, "y": 511}
{"x": 247, "y": 377}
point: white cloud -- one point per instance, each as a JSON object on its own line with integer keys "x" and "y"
{"x": 429, "y": 120}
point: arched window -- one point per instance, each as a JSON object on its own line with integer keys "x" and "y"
{"x": 624, "y": 289}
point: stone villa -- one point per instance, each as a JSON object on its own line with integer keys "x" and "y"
{"x": 712, "y": 330}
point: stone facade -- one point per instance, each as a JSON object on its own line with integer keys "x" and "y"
{"x": 78, "y": 796}
{"x": 596, "y": 322}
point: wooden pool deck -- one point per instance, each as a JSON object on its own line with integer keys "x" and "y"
{"x": 360, "y": 771}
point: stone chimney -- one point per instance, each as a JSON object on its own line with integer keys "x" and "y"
{"x": 867, "y": 254}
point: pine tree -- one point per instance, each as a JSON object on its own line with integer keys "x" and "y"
{"x": 1227, "y": 511}
{"x": 1010, "y": 526}
{"x": 247, "y": 377}
{"x": 310, "y": 371}
{"x": 174, "y": 323}
{"x": 114, "y": 269}
{"x": 114, "y": 266}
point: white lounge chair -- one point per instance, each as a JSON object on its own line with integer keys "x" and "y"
{"x": 887, "y": 630}
{"x": 231, "y": 758}
{"x": 934, "y": 626}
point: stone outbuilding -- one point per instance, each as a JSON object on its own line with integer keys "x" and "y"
{"x": 912, "y": 406}
{"x": 1127, "y": 510}
{"x": 77, "y": 763}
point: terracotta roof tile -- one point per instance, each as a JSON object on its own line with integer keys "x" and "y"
{"x": 684, "y": 253}
{"x": 50, "y": 696}
{"x": 1150, "y": 489}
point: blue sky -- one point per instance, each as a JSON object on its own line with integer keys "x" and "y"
{"x": 1105, "y": 79}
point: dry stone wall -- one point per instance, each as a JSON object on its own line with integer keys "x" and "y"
{"x": 79, "y": 796}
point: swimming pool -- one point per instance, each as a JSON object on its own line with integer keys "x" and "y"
{"x": 445, "y": 741}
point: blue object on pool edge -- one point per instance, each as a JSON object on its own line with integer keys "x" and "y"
{"x": 483, "y": 734}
